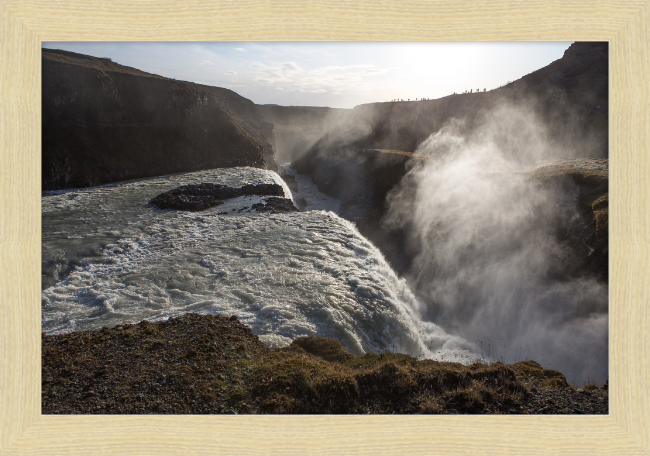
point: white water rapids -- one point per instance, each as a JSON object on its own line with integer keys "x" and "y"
{"x": 108, "y": 257}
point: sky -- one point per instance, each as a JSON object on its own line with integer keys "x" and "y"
{"x": 334, "y": 74}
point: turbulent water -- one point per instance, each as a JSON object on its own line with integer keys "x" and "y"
{"x": 309, "y": 191}
{"x": 109, "y": 257}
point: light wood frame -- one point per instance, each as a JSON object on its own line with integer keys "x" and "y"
{"x": 25, "y": 24}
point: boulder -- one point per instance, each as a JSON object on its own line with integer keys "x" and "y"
{"x": 199, "y": 197}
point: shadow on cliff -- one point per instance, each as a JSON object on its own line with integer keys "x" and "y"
{"x": 103, "y": 122}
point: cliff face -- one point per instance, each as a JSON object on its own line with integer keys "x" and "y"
{"x": 581, "y": 76}
{"x": 370, "y": 145}
{"x": 103, "y": 122}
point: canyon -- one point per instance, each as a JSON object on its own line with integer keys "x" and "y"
{"x": 450, "y": 223}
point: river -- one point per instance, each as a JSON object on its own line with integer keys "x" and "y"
{"x": 109, "y": 257}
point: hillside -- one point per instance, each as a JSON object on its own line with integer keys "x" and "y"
{"x": 209, "y": 364}
{"x": 103, "y": 122}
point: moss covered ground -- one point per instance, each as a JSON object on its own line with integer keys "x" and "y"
{"x": 204, "y": 364}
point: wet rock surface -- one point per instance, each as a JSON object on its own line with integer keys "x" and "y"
{"x": 291, "y": 182}
{"x": 275, "y": 205}
{"x": 584, "y": 209}
{"x": 199, "y": 197}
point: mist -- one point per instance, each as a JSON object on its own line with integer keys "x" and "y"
{"x": 488, "y": 264}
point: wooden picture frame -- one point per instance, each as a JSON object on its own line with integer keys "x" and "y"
{"x": 25, "y": 24}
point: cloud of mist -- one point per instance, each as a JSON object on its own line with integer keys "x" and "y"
{"x": 489, "y": 266}
{"x": 332, "y": 131}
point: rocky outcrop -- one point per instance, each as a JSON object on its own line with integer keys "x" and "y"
{"x": 103, "y": 122}
{"x": 584, "y": 211}
{"x": 564, "y": 95}
{"x": 581, "y": 76}
{"x": 198, "y": 197}
{"x": 275, "y": 205}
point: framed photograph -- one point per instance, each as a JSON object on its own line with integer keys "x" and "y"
{"x": 28, "y": 24}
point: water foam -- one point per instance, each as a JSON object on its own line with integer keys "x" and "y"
{"x": 285, "y": 275}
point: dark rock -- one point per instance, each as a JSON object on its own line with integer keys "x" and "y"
{"x": 198, "y": 197}
{"x": 566, "y": 401}
{"x": 301, "y": 203}
{"x": 103, "y": 122}
{"x": 275, "y": 205}
{"x": 583, "y": 221}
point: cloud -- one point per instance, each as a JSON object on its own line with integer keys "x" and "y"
{"x": 231, "y": 72}
{"x": 205, "y": 62}
{"x": 240, "y": 49}
{"x": 328, "y": 68}
{"x": 372, "y": 71}
{"x": 290, "y": 66}
{"x": 291, "y": 77}
{"x": 282, "y": 72}
{"x": 311, "y": 90}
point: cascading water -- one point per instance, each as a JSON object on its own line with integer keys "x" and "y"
{"x": 109, "y": 257}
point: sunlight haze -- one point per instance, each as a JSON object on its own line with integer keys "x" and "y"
{"x": 334, "y": 74}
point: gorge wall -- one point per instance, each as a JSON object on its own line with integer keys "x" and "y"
{"x": 364, "y": 152}
{"x": 492, "y": 206}
{"x": 297, "y": 128}
{"x": 564, "y": 97}
{"x": 103, "y": 122}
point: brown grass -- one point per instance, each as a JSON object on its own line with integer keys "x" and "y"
{"x": 212, "y": 364}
